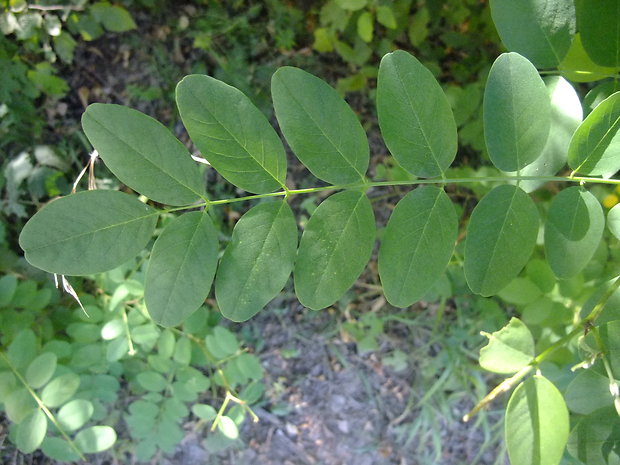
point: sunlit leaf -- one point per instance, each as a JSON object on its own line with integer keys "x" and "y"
{"x": 566, "y": 115}
{"x": 595, "y": 145}
{"x": 536, "y": 423}
{"x": 88, "y": 232}
{"x": 31, "y": 432}
{"x": 95, "y": 439}
{"x": 509, "y": 349}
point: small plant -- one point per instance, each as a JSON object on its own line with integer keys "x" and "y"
{"x": 62, "y": 370}
{"x": 532, "y": 129}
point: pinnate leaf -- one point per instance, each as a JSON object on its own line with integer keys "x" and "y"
{"x": 416, "y": 120}
{"x": 536, "y": 423}
{"x": 232, "y": 134}
{"x": 500, "y": 238}
{"x": 516, "y": 113}
{"x": 258, "y": 260}
{"x": 319, "y": 126}
{"x": 417, "y": 245}
{"x": 181, "y": 268}
{"x": 595, "y": 145}
{"x": 509, "y": 349}
{"x": 540, "y": 30}
{"x": 88, "y": 232}
{"x": 334, "y": 248}
{"x": 143, "y": 154}
{"x": 573, "y": 231}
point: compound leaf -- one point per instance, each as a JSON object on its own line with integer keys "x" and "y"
{"x": 232, "y": 134}
{"x": 334, "y": 248}
{"x": 258, "y": 260}
{"x": 540, "y": 30}
{"x": 415, "y": 117}
{"x": 181, "y": 268}
{"x": 417, "y": 245}
{"x": 536, "y": 423}
{"x": 88, "y": 232}
{"x": 595, "y": 145}
{"x": 573, "y": 231}
{"x": 319, "y": 126}
{"x": 516, "y": 113}
{"x": 143, "y": 154}
{"x": 599, "y": 25}
{"x": 31, "y": 432}
{"x": 500, "y": 238}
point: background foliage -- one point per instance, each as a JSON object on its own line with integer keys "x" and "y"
{"x": 557, "y": 283}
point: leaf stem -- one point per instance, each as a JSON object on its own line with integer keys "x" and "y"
{"x": 41, "y": 405}
{"x": 583, "y": 325}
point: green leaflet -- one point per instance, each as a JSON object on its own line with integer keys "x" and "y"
{"x": 31, "y": 432}
{"x": 577, "y": 66}
{"x": 181, "y": 268}
{"x": 516, "y": 113}
{"x": 589, "y": 391}
{"x": 540, "y": 30}
{"x": 500, "y": 238}
{"x": 232, "y": 134}
{"x": 334, "y": 248}
{"x": 613, "y": 221}
{"x": 258, "y": 260}
{"x": 509, "y": 349}
{"x": 95, "y": 439}
{"x": 319, "y": 126}
{"x": 595, "y": 145}
{"x": 536, "y": 423}
{"x": 88, "y": 232}
{"x": 415, "y": 117}
{"x": 143, "y": 154}
{"x": 566, "y": 115}
{"x": 599, "y": 25}
{"x": 417, "y": 245}
{"x": 573, "y": 231}
{"x": 594, "y": 440}
{"x": 610, "y": 335}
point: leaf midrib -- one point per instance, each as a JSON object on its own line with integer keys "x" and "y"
{"x": 322, "y": 132}
{"x": 232, "y": 135}
{"x": 144, "y": 157}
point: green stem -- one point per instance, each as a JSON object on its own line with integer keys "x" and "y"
{"x": 415, "y": 182}
{"x": 583, "y": 325}
{"x": 41, "y": 405}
